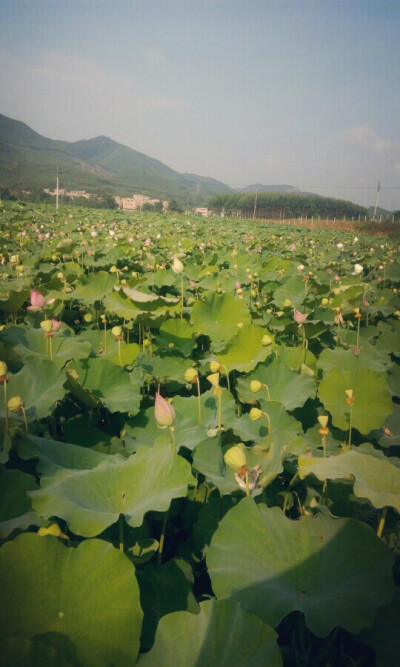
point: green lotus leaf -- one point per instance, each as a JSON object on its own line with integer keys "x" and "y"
{"x": 19, "y": 652}
{"x": 285, "y": 386}
{"x": 368, "y": 358}
{"x": 372, "y": 400}
{"x": 127, "y": 355}
{"x": 62, "y": 596}
{"x": 284, "y": 428}
{"x": 92, "y": 500}
{"x": 389, "y": 341}
{"x": 209, "y": 460}
{"x": 164, "y": 588}
{"x": 218, "y": 316}
{"x": 119, "y": 304}
{"x": 319, "y": 565}
{"x": 164, "y": 368}
{"x": 292, "y": 288}
{"x": 394, "y": 381}
{"x": 384, "y": 636}
{"x": 375, "y": 479}
{"x": 391, "y": 433}
{"x": 94, "y": 286}
{"x": 53, "y": 454}
{"x": 27, "y": 341}
{"x": 176, "y": 334}
{"x": 106, "y": 383}
{"x": 293, "y": 357}
{"x": 245, "y": 350}
{"x": 144, "y": 298}
{"x": 15, "y": 507}
{"x": 221, "y": 634}
{"x": 40, "y": 385}
{"x": 14, "y": 300}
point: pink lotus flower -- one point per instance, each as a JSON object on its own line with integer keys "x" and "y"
{"x": 38, "y": 301}
{"x": 299, "y": 317}
{"x": 164, "y": 412}
{"x": 55, "y": 325}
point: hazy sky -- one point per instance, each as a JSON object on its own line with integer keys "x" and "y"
{"x": 303, "y": 92}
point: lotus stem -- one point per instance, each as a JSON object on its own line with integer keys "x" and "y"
{"x": 181, "y": 296}
{"x": 119, "y": 352}
{"x": 162, "y": 538}
{"x": 382, "y": 522}
{"x": 25, "y": 420}
{"x": 5, "y": 404}
{"x": 247, "y": 483}
{"x": 121, "y": 532}
{"x": 172, "y": 431}
{"x": 199, "y": 399}
{"x": 220, "y": 410}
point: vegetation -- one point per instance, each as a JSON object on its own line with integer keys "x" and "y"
{"x": 276, "y": 206}
{"x": 199, "y": 439}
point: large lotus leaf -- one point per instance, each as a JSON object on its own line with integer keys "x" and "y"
{"x": 384, "y": 635}
{"x": 15, "y": 507}
{"x": 145, "y": 299}
{"x": 178, "y": 335}
{"x": 219, "y": 316}
{"x": 390, "y": 437}
{"x": 208, "y": 459}
{"x": 63, "y": 596}
{"x": 372, "y": 400}
{"x": 14, "y": 300}
{"x": 164, "y": 368}
{"x": 54, "y": 455}
{"x": 293, "y": 289}
{"x": 27, "y": 341}
{"x": 389, "y": 342}
{"x": 108, "y": 383}
{"x": 221, "y": 634}
{"x": 119, "y": 304}
{"x": 294, "y": 357}
{"x": 92, "y": 500}
{"x": 368, "y": 358}
{"x": 284, "y": 428}
{"x": 319, "y": 565}
{"x": 164, "y": 588}
{"x": 40, "y": 385}
{"x": 245, "y": 350}
{"x": 20, "y": 652}
{"x": 94, "y": 286}
{"x": 285, "y": 386}
{"x": 375, "y": 479}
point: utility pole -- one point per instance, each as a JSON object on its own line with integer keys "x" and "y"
{"x": 255, "y": 207}
{"x": 376, "y": 202}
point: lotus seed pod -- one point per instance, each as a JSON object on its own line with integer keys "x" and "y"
{"x": 255, "y": 414}
{"x": 214, "y": 379}
{"x": 116, "y": 331}
{"x": 235, "y": 457}
{"x": 214, "y": 366}
{"x": 323, "y": 420}
{"x": 266, "y": 340}
{"x": 325, "y": 301}
{"x": 3, "y": 369}
{"x": 191, "y": 375}
{"x": 15, "y": 403}
{"x": 255, "y": 385}
{"x": 46, "y": 325}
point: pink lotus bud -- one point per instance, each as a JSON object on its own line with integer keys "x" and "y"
{"x": 38, "y": 301}
{"x": 237, "y": 284}
{"x": 299, "y": 317}
{"x": 164, "y": 412}
{"x": 56, "y": 325}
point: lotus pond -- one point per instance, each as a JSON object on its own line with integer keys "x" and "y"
{"x": 200, "y": 441}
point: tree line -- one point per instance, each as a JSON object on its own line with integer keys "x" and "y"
{"x": 279, "y": 205}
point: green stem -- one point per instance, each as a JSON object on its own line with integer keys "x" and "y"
{"x": 5, "y": 404}
{"x": 247, "y": 483}
{"x": 219, "y": 411}
{"x": 119, "y": 352}
{"x": 199, "y": 399}
{"x": 351, "y": 414}
{"x": 25, "y": 421}
{"x": 324, "y": 444}
{"x": 269, "y": 427}
{"x": 172, "y": 431}
{"x": 121, "y": 532}
{"x": 382, "y": 522}
{"x": 51, "y": 348}
{"x": 358, "y": 331}
{"x": 268, "y": 393}
{"x": 181, "y": 296}
{"x": 162, "y": 538}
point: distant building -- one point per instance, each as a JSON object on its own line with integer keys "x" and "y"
{"x": 68, "y": 193}
{"x": 137, "y": 202}
{"x": 201, "y": 210}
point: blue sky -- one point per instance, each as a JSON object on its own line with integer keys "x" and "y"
{"x": 303, "y": 92}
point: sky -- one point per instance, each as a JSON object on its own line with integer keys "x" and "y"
{"x": 297, "y": 92}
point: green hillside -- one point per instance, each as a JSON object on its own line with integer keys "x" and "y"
{"x": 29, "y": 161}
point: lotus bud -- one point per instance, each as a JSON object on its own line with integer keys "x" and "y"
{"x": 358, "y": 268}
{"x": 191, "y": 375}
{"x": 299, "y": 317}
{"x": 3, "y": 369}
{"x": 177, "y": 266}
{"x": 255, "y": 386}
{"x": 255, "y": 414}
{"x": 46, "y": 325}
{"x": 15, "y": 404}
{"x": 38, "y": 301}
{"x": 235, "y": 457}
{"x": 164, "y": 412}
{"x": 214, "y": 379}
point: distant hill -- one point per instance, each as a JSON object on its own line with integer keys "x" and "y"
{"x": 29, "y": 160}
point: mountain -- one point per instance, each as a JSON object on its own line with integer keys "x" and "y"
{"x": 29, "y": 160}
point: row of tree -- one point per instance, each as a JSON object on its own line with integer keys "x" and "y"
{"x": 278, "y": 205}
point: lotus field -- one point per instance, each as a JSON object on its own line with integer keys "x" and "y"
{"x": 199, "y": 442}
